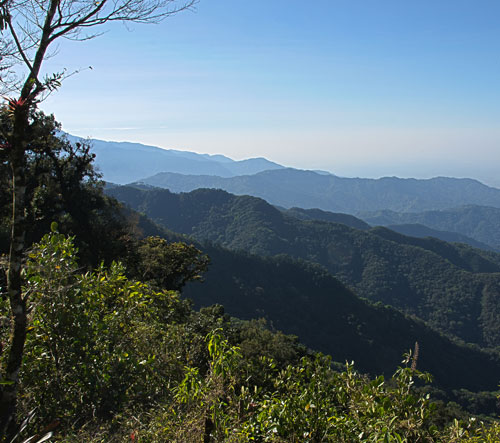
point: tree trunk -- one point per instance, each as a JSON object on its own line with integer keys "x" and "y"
{"x": 19, "y": 141}
{"x": 12, "y": 364}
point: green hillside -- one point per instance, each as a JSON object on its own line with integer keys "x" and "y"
{"x": 334, "y": 217}
{"x": 303, "y": 299}
{"x": 454, "y": 288}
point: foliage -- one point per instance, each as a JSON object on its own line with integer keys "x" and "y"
{"x": 311, "y": 403}
{"x": 307, "y": 402}
{"x": 28, "y": 28}
{"x": 89, "y": 351}
{"x": 168, "y": 265}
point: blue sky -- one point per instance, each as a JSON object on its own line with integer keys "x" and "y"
{"x": 357, "y": 87}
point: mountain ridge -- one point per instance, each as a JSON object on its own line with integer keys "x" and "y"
{"x": 288, "y": 187}
{"x": 481, "y": 223}
{"x": 183, "y": 171}
{"x": 124, "y": 162}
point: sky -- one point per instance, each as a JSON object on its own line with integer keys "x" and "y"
{"x": 363, "y": 88}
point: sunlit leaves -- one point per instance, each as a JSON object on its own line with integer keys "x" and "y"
{"x": 91, "y": 349}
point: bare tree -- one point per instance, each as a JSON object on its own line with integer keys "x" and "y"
{"x": 7, "y": 60}
{"x": 28, "y": 28}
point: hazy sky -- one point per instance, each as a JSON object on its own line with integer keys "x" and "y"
{"x": 356, "y": 87}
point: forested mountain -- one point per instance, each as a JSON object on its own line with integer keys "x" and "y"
{"x": 307, "y": 189}
{"x": 335, "y": 217}
{"x": 123, "y": 162}
{"x": 421, "y": 231}
{"x": 453, "y": 287}
{"x": 412, "y": 230}
{"x": 301, "y": 298}
{"x": 304, "y": 300}
{"x": 482, "y": 223}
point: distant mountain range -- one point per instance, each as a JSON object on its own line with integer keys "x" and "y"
{"x": 307, "y": 189}
{"x": 124, "y": 162}
{"x": 183, "y": 171}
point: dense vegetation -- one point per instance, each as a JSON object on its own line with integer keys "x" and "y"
{"x": 303, "y": 299}
{"x": 452, "y": 287}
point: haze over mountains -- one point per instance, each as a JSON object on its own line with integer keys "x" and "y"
{"x": 307, "y": 189}
{"x": 182, "y": 171}
{"x": 455, "y": 210}
{"x": 123, "y": 162}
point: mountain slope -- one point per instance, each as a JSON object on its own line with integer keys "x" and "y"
{"x": 307, "y": 189}
{"x": 411, "y": 230}
{"x": 453, "y": 287}
{"x": 481, "y": 223}
{"x": 302, "y": 299}
{"x": 421, "y": 231}
{"x": 334, "y": 217}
